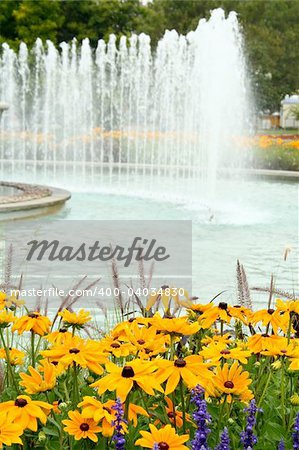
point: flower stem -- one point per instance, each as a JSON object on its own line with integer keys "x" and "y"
{"x": 183, "y": 405}
{"x": 32, "y": 349}
{"x": 9, "y": 367}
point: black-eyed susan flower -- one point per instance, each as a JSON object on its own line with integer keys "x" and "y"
{"x": 176, "y": 325}
{"x": 270, "y": 317}
{"x": 212, "y": 315}
{"x": 58, "y": 336}
{"x": 122, "y": 379}
{"x": 191, "y": 370}
{"x": 6, "y": 318}
{"x": 34, "y": 322}
{"x": 12, "y": 302}
{"x": 80, "y": 427}
{"x": 25, "y": 412}
{"x": 75, "y": 319}
{"x": 166, "y": 439}
{"x": 146, "y": 341}
{"x": 217, "y": 352}
{"x": 261, "y": 342}
{"x": 116, "y": 347}
{"x": 241, "y": 313}
{"x": 41, "y": 380}
{"x": 173, "y": 414}
{"x": 231, "y": 380}
{"x": 287, "y": 307}
{"x": 16, "y": 357}
{"x": 9, "y": 432}
{"x": 84, "y": 352}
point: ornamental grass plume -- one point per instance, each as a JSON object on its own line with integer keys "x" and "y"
{"x": 248, "y": 438}
{"x": 224, "y": 443}
{"x": 118, "y": 436}
{"x": 201, "y": 418}
{"x": 295, "y": 434}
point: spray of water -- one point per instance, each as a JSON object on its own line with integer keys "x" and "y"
{"x": 124, "y": 115}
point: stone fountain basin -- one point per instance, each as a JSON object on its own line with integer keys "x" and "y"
{"x": 24, "y": 196}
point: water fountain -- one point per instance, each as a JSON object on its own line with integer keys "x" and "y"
{"x": 123, "y": 119}
{"x": 123, "y": 110}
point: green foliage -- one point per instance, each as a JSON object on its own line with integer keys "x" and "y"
{"x": 276, "y": 158}
{"x": 271, "y": 30}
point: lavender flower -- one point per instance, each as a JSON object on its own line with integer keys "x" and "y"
{"x": 118, "y": 436}
{"x": 248, "y": 437}
{"x": 201, "y": 418}
{"x": 295, "y": 435}
{"x": 224, "y": 441}
{"x": 281, "y": 445}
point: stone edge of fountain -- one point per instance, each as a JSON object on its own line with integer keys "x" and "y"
{"x": 33, "y": 197}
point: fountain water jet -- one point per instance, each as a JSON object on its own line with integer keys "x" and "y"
{"x": 122, "y": 115}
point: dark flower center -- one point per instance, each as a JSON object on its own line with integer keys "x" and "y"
{"x": 21, "y": 402}
{"x": 127, "y": 372}
{"x": 170, "y": 415}
{"x": 225, "y": 352}
{"x": 141, "y": 341}
{"x": 271, "y": 311}
{"x": 131, "y": 320}
{"x": 180, "y": 363}
{"x": 62, "y": 330}
{"x": 229, "y": 385}
{"x": 163, "y": 289}
{"x": 33, "y": 315}
{"x": 74, "y": 350}
{"x": 115, "y": 345}
{"x": 237, "y": 306}
{"x": 222, "y": 305}
{"x": 265, "y": 335}
{"x": 163, "y": 446}
{"x": 55, "y": 363}
{"x": 283, "y": 351}
{"x": 84, "y": 426}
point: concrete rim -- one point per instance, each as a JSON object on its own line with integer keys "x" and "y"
{"x": 32, "y": 197}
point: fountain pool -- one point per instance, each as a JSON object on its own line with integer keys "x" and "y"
{"x": 254, "y": 221}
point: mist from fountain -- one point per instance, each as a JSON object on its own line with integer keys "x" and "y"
{"x": 123, "y": 115}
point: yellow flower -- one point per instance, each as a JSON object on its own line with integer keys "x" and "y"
{"x": 211, "y": 315}
{"x": 295, "y": 399}
{"x": 176, "y": 325}
{"x": 270, "y": 317}
{"x": 191, "y": 370}
{"x": 35, "y": 382}
{"x": 218, "y": 351}
{"x": 175, "y": 416}
{"x": 6, "y": 318}
{"x": 263, "y": 342}
{"x": 287, "y": 307}
{"x": 16, "y": 356}
{"x": 122, "y": 379}
{"x": 240, "y": 313}
{"x": 13, "y": 302}
{"x": 80, "y": 427}
{"x": 9, "y": 432}
{"x": 231, "y": 380}
{"x": 72, "y": 319}
{"x": 85, "y": 353}
{"x": 276, "y": 364}
{"x": 25, "y": 411}
{"x": 116, "y": 347}
{"x": 59, "y": 336}
{"x": 166, "y": 439}
{"x": 146, "y": 341}
{"x": 34, "y": 322}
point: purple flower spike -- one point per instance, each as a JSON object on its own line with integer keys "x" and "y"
{"x": 118, "y": 436}
{"x": 156, "y": 446}
{"x": 224, "y": 441}
{"x": 295, "y": 435}
{"x": 201, "y": 418}
{"x": 248, "y": 437}
{"x": 281, "y": 445}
